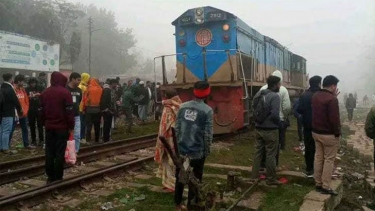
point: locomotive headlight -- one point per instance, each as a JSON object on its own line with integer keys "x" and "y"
{"x": 199, "y": 20}
{"x": 181, "y": 33}
{"x": 226, "y": 27}
{"x": 199, "y": 11}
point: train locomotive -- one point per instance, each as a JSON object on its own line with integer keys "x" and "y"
{"x": 217, "y": 46}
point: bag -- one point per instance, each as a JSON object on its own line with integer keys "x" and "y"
{"x": 70, "y": 151}
{"x": 260, "y": 111}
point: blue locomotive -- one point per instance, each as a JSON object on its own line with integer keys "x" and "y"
{"x": 217, "y": 46}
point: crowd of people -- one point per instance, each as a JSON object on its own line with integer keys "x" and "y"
{"x": 73, "y": 106}
{"x": 69, "y": 107}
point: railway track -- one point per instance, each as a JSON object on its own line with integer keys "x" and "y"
{"x": 35, "y": 167}
{"x": 24, "y": 168}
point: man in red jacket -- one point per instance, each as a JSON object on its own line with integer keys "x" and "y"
{"x": 56, "y": 107}
{"x": 326, "y": 131}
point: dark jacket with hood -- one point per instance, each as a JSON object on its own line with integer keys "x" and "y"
{"x": 304, "y": 106}
{"x": 34, "y": 93}
{"x": 10, "y": 101}
{"x": 56, "y": 105}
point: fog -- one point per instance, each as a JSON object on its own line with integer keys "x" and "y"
{"x": 336, "y": 36}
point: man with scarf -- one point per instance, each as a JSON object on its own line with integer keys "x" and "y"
{"x": 304, "y": 108}
{"x": 166, "y": 170}
{"x": 194, "y": 132}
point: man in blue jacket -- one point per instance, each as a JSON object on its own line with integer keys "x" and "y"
{"x": 194, "y": 132}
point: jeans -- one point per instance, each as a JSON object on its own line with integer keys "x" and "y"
{"x": 309, "y": 150}
{"x": 25, "y": 131}
{"x": 56, "y": 141}
{"x": 83, "y": 126}
{"x": 35, "y": 121}
{"x": 6, "y": 127}
{"x": 107, "y": 124}
{"x": 197, "y": 166}
{"x": 77, "y": 132}
{"x": 266, "y": 140}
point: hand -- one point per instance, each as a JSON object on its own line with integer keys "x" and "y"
{"x": 337, "y": 92}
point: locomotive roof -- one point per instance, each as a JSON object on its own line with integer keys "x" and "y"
{"x": 175, "y": 22}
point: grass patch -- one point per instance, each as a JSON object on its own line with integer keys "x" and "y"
{"x": 153, "y": 201}
{"x": 241, "y": 153}
{"x": 139, "y": 130}
{"x": 287, "y": 197}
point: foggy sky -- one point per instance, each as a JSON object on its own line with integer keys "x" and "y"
{"x": 335, "y": 36}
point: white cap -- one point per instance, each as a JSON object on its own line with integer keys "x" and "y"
{"x": 141, "y": 83}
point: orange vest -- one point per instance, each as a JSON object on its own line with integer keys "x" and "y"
{"x": 24, "y": 100}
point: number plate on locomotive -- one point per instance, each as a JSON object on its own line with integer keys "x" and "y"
{"x": 215, "y": 16}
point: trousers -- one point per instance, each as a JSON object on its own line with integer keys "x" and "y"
{"x": 197, "y": 165}
{"x": 6, "y": 128}
{"x": 93, "y": 119}
{"x": 266, "y": 140}
{"x": 55, "y": 152}
{"x": 107, "y": 125}
{"x": 34, "y": 123}
{"x": 325, "y": 155}
{"x": 309, "y": 149}
{"x": 350, "y": 114}
{"x": 128, "y": 119}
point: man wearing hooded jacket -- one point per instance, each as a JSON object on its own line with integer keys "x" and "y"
{"x": 85, "y": 77}
{"x": 58, "y": 117}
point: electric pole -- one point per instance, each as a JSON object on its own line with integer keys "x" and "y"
{"x": 90, "y": 35}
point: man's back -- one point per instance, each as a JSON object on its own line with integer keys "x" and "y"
{"x": 326, "y": 116}
{"x": 370, "y": 124}
{"x": 351, "y": 103}
{"x": 194, "y": 129}
{"x": 57, "y": 112}
{"x": 304, "y": 107}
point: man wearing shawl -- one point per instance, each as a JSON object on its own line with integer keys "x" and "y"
{"x": 167, "y": 169}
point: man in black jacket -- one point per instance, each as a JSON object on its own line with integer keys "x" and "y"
{"x": 9, "y": 106}
{"x": 108, "y": 107}
{"x": 33, "y": 92}
{"x": 304, "y": 108}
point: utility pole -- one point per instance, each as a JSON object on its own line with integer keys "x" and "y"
{"x": 90, "y": 35}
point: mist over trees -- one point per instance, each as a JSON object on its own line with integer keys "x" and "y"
{"x": 62, "y": 22}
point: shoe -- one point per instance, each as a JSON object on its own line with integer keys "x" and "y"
{"x": 83, "y": 141}
{"x": 7, "y": 151}
{"x": 309, "y": 174}
{"x": 318, "y": 189}
{"x": 274, "y": 183}
{"x": 329, "y": 192}
{"x": 30, "y": 147}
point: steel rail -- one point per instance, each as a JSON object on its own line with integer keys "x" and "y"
{"x": 89, "y": 156}
{"x": 35, "y": 192}
{"x": 10, "y": 165}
